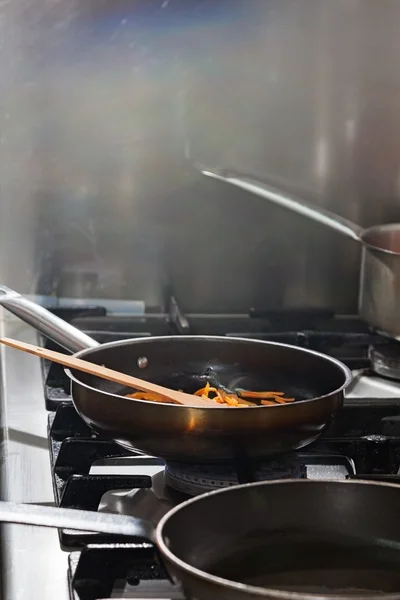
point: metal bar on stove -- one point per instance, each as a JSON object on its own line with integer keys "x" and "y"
{"x": 177, "y": 317}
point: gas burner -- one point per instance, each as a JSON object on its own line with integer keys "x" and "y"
{"x": 385, "y": 359}
{"x": 200, "y": 478}
{"x": 194, "y": 480}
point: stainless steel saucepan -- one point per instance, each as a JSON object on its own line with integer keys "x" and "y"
{"x": 379, "y": 293}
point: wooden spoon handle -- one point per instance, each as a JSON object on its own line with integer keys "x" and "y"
{"x": 72, "y": 362}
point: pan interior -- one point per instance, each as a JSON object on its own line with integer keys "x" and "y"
{"x": 320, "y": 537}
{"x": 303, "y": 562}
{"x": 188, "y": 363}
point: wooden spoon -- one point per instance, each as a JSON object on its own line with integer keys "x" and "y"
{"x": 166, "y": 394}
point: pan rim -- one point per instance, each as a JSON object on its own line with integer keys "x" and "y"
{"x": 255, "y": 590}
{"x": 374, "y": 228}
{"x": 348, "y": 377}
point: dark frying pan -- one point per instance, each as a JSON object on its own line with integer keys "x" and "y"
{"x": 179, "y": 433}
{"x": 287, "y": 540}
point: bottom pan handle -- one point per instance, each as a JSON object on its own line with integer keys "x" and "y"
{"x": 79, "y": 520}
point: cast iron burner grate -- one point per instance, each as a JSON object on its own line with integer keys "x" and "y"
{"x": 364, "y": 435}
{"x": 132, "y": 572}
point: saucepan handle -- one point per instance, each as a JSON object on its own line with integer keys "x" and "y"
{"x": 298, "y": 205}
{"x": 50, "y": 325}
{"x": 79, "y": 520}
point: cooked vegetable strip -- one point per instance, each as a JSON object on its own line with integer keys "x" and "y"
{"x": 280, "y": 400}
{"x": 249, "y": 394}
{"x": 266, "y": 398}
{"x": 230, "y": 399}
{"x": 221, "y": 396}
{"x": 205, "y": 391}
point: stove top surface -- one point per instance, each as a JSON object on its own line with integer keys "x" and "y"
{"x": 93, "y": 473}
{"x": 96, "y": 474}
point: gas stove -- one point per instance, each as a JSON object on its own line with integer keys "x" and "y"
{"x": 345, "y": 337}
{"x": 49, "y": 455}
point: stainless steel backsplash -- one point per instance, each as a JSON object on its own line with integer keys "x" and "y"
{"x": 104, "y": 103}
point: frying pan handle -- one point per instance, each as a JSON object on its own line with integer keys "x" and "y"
{"x": 50, "y": 325}
{"x": 298, "y": 205}
{"x": 79, "y": 520}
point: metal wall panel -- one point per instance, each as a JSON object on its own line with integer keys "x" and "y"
{"x": 102, "y": 103}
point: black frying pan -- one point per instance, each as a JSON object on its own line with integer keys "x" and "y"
{"x": 179, "y": 433}
{"x": 287, "y": 540}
